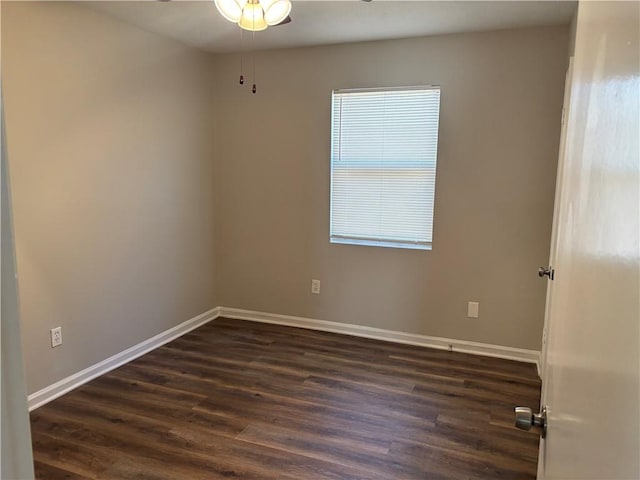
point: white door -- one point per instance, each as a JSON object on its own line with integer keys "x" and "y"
{"x": 592, "y": 367}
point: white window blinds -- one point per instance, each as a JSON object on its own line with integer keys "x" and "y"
{"x": 383, "y": 166}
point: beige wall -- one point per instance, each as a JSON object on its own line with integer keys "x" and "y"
{"x": 115, "y": 186}
{"x": 110, "y": 148}
{"x": 501, "y": 106}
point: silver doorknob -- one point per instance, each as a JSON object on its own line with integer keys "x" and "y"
{"x": 525, "y": 419}
{"x": 544, "y": 271}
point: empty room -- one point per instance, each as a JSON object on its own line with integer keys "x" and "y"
{"x": 318, "y": 240}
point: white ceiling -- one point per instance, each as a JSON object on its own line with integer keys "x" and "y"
{"x": 198, "y": 23}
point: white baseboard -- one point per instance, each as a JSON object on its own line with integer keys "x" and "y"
{"x": 487, "y": 350}
{"x": 65, "y": 385}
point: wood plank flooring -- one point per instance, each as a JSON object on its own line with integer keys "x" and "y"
{"x": 243, "y": 400}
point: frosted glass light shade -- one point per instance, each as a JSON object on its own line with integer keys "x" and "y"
{"x": 230, "y": 9}
{"x": 276, "y": 11}
{"x": 252, "y": 18}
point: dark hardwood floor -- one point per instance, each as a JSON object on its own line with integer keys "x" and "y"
{"x": 244, "y": 400}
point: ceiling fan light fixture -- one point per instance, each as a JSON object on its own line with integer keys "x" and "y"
{"x": 230, "y": 9}
{"x": 254, "y": 15}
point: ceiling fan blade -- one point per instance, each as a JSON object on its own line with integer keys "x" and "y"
{"x": 284, "y": 22}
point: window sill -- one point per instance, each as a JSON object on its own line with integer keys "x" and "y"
{"x": 379, "y": 243}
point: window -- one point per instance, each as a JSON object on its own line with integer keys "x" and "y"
{"x": 384, "y": 145}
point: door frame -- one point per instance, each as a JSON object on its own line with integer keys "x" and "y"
{"x": 555, "y": 234}
{"x": 555, "y": 222}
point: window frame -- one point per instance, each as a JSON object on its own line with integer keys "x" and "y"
{"x": 351, "y": 240}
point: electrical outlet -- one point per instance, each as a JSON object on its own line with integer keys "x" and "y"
{"x": 473, "y": 309}
{"x": 56, "y": 337}
{"x": 315, "y": 287}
